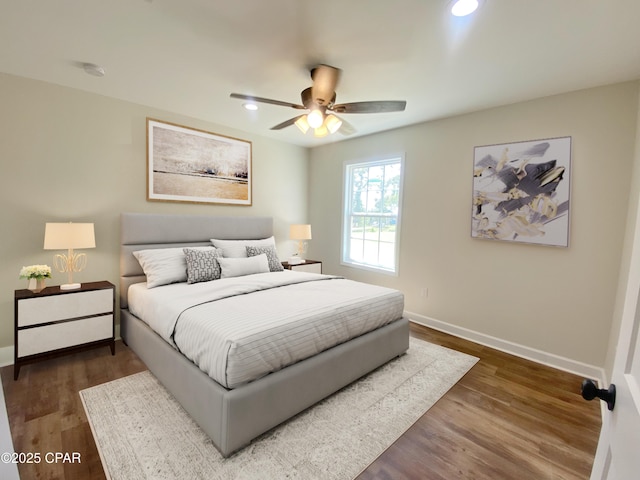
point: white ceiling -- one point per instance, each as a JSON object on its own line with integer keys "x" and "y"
{"x": 187, "y": 56}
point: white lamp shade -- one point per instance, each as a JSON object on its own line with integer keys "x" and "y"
{"x": 63, "y": 236}
{"x": 333, "y": 123}
{"x": 320, "y": 132}
{"x": 300, "y": 232}
{"x": 302, "y": 124}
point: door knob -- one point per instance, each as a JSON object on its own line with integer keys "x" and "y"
{"x": 591, "y": 391}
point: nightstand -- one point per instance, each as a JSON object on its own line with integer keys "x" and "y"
{"x": 56, "y": 322}
{"x": 312, "y": 266}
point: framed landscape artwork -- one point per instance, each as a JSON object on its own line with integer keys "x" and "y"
{"x": 189, "y": 165}
{"x": 521, "y": 192}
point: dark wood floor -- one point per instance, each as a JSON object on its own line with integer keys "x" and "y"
{"x": 508, "y": 418}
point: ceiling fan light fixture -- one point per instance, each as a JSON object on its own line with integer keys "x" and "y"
{"x": 315, "y": 118}
{"x": 318, "y": 106}
{"x": 320, "y": 131}
{"x": 302, "y": 124}
{"x": 333, "y": 123}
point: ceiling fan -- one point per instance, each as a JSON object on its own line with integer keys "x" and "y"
{"x": 320, "y": 100}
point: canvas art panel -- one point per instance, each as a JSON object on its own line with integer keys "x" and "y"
{"x": 189, "y": 165}
{"x": 521, "y": 192}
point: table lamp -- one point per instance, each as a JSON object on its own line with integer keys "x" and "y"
{"x": 300, "y": 233}
{"x": 69, "y": 236}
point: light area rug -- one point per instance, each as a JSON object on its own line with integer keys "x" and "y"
{"x": 143, "y": 433}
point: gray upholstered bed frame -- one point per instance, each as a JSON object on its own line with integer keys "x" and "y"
{"x": 232, "y": 418}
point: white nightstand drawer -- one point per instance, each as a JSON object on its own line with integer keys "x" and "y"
{"x": 68, "y": 305}
{"x": 65, "y": 334}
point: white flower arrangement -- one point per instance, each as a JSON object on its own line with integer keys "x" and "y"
{"x": 36, "y": 271}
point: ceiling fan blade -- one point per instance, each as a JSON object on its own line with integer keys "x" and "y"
{"x": 286, "y": 123}
{"x": 346, "y": 128}
{"x": 325, "y": 79}
{"x": 370, "y": 107}
{"x": 251, "y": 98}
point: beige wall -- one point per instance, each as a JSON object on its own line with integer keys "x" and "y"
{"x": 67, "y": 155}
{"x": 556, "y": 300}
{"x": 70, "y": 155}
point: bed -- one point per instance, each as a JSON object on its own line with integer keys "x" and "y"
{"x": 240, "y": 406}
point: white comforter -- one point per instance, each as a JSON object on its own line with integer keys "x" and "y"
{"x": 239, "y": 329}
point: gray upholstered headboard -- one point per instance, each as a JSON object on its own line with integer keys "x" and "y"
{"x": 139, "y": 231}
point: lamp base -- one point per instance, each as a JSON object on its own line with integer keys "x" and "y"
{"x": 70, "y": 286}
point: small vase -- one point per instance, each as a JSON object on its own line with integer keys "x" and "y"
{"x": 36, "y": 285}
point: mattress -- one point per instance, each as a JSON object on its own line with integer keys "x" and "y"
{"x": 239, "y": 329}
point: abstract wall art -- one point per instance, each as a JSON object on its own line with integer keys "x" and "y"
{"x": 189, "y": 165}
{"x": 521, "y": 192}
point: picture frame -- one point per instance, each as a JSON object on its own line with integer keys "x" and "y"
{"x": 521, "y": 192}
{"x": 190, "y": 165}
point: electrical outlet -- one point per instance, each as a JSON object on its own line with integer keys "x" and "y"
{"x": 424, "y": 292}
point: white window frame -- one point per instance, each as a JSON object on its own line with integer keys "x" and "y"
{"x": 347, "y": 191}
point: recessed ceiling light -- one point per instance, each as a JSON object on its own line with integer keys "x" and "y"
{"x": 462, "y": 8}
{"x": 93, "y": 69}
{"x": 250, "y": 106}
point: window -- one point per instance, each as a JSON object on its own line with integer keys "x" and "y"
{"x": 372, "y": 201}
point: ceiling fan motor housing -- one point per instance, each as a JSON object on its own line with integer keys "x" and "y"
{"x": 325, "y": 78}
{"x": 310, "y": 103}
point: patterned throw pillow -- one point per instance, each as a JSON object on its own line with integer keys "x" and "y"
{"x": 202, "y": 264}
{"x": 274, "y": 262}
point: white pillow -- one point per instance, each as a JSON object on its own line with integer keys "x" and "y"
{"x": 162, "y": 265}
{"x": 238, "y": 248}
{"x": 237, "y": 267}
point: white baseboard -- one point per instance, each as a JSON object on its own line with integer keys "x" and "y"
{"x": 522, "y": 351}
{"x": 538, "y": 356}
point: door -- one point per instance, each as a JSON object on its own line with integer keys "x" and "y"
{"x": 618, "y": 454}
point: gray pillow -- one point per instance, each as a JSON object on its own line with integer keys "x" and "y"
{"x": 202, "y": 264}
{"x": 274, "y": 262}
